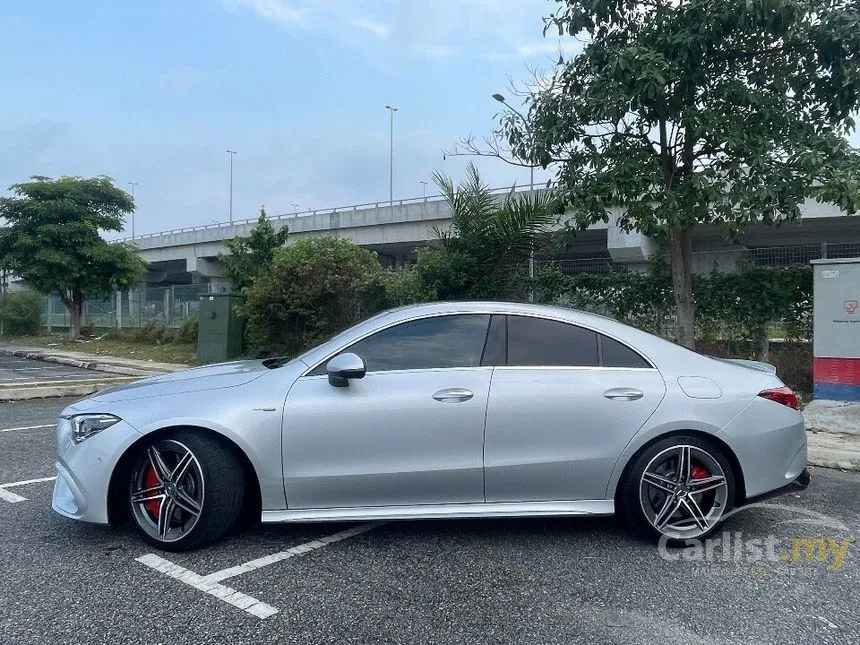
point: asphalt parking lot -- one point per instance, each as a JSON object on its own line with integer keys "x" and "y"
{"x": 18, "y": 371}
{"x": 503, "y": 581}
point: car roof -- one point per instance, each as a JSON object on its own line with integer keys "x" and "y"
{"x": 497, "y": 307}
{"x": 642, "y": 341}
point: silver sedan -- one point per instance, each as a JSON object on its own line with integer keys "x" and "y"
{"x": 438, "y": 411}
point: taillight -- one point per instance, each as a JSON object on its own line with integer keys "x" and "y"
{"x": 782, "y": 395}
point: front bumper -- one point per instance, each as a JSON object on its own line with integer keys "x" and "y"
{"x": 84, "y": 470}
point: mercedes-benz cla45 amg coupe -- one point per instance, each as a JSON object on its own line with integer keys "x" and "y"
{"x": 444, "y": 410}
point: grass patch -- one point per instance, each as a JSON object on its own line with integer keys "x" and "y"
{"x": 120, "y": 347}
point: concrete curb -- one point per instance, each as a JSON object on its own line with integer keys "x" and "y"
{"x": 829, "y": 450}
{"x": 49, "y": 391}
{"x": 109, "y": 368}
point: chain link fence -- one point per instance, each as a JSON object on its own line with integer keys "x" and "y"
{"x": 163, "y": 306}
{"x": 721, "y": 260}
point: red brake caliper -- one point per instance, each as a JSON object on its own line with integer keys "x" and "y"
{"x": 150, "y": 479}
{"x": 698, "y": 472}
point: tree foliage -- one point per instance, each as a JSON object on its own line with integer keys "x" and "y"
{"x": 311, "y": 290}
{"x": 697, "y": 112}
{"x": 53, "y": 239}
{"x": 736, "y": 306}
{"x": 249, "y": 256}
{"x": 488, "y": 241}
{"x": 21, "y": 314}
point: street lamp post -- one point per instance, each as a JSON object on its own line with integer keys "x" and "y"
{"x": 501, "y": 99}
{"x": 132, "y": 184}
{"x": 424, "y": 189}
{"x": 231, "y": 153}
{"x": 391, "y": 110}
{"x": 295, "y": 208}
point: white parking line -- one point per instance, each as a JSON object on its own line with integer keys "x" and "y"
{"x": 30, "y": 369}
{"x": 14, "y": 498}
{"x": 301, "y": 549}
{"x": 211, "y": 584}
{"x": 47, "y": 425}
{"x": 227, "y": 594}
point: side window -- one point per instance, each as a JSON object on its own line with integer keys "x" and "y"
{"x": 438, "y": 342}
{"x": 536, "y": 342}
{"x": 617, "y": 354}
{"x": 496, "y": 348}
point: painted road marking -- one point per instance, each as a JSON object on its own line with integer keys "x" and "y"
{"x": 301, "y": 549}
{"x": 14, "y": 498}
{"x": 221, "y": 592}
{"x": 47, "y": 425}
{"x": 211, "y": 584}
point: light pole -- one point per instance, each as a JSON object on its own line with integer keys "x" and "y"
{"x": 132, "y": 184}
{"x": 501, "y": 99}
{"x": 392, "y": 110}
{"x": 295, "y": 208}
{"x": 231, "y": 153}
{"x": 423, "y": 188}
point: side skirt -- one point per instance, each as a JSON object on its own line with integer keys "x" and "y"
{"x": 443, "y": 511}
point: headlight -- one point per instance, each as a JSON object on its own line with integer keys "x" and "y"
{"x": 85, "y": 426}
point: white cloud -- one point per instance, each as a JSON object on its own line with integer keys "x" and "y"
{"x": 273, "y": 10}
{"x": 540, "y": 47}
{"x": 378, "y": 29}
{"x": 438, "y": 51}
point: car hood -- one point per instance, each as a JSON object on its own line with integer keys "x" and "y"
{"x": 198, "y": 379}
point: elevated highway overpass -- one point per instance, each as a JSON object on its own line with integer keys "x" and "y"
{"x": 395, "y": 230}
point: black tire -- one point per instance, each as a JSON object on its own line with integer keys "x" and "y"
{"x": 214, "y": 478}
{"x": 633, "y": 492}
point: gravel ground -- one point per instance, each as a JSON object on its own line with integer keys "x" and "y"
{"x": 499, "y": 581}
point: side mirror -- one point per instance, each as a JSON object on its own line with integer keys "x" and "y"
{"x": 344, "y": 367}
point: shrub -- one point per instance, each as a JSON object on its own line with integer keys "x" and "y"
{"x": 187, "y": 333}
{"x": 310, "y": 291}
{"x": 156, "y": 334}
{"x": 21, "y": 314}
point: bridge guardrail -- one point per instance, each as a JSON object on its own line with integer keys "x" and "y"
{"x": 312, "y": 212}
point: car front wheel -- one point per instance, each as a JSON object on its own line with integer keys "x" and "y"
{"x": 185, "y": 490}
{"x": 679, "y": 488}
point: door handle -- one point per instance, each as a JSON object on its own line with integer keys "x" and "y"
{"x": 453, "y": 395}
{"x": 623, "y": 394}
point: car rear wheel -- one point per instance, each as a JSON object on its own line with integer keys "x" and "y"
{"x": 679, "y": 488}
{"x": 185, "y": 490}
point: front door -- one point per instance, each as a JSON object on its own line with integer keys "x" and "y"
{"x": 410, "y": 432}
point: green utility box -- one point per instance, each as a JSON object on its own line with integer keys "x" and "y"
{"x": 219, "y": 337}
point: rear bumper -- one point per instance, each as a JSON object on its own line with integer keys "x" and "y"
{"x": 797, "y": 485}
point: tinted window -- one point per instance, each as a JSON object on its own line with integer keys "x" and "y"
{"x": 616, "y": 354}
{"x": 534, "y": 341}
{"x": 443, "y": 341}
{"x": 496, "y": 349}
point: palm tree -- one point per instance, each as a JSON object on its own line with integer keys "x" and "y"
{"x": 493, "y": 235}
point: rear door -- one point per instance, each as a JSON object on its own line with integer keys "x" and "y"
{"x": 562, "y": 406}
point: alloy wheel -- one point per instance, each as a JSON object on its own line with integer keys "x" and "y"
{"x": 167, "y": 491}
{"x": 683, "y": 492}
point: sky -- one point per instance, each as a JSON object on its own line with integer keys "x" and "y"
{"x": 155, "y": 92}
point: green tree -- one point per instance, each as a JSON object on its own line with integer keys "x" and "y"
{"x": 697, "y": 112}
{"x": 249, "y": 256}
{"x": 489, "y": 239}
{"x": 53, "y": 240}
{"x": 311, "y": 290}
